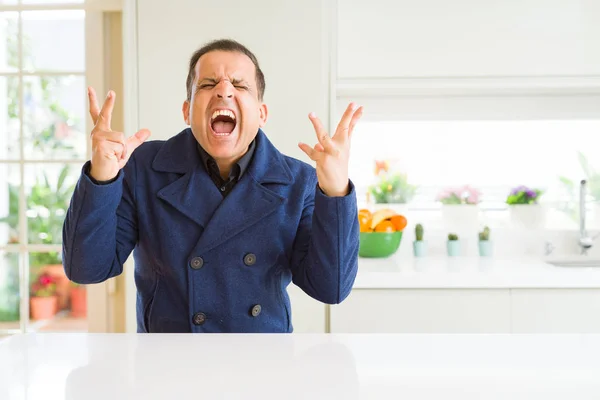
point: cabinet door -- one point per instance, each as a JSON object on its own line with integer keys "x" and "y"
{"x": 308, "y": 315}
{"x": 555, "y": 310}
{"x": 423, "y": 311}
{"x": 454, "y": 39}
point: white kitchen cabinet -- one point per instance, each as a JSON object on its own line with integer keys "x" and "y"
{"x": 555, "y": 310}
{"x": 423, "y": 311}
{"x": 308, "y": 314}
{"x": 467, "y": 39}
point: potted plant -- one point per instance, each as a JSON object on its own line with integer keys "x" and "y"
{"x": 78, "y": 297}
{"x": 46, "y": 204}
{"x": 43, "y": 301}
{"x": 592, "y": 176}
{"x": 453, "y": 245}
{"x": 391, "y": 187}
{"x": 419, "y": 245}
{"x": 485, "y": 245}
{"x": 524, "y": 207}
{"x": 459, "y": 206}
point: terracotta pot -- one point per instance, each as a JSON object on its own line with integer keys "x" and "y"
{"x": 79, "y": 302}
{"x": 43, "y": 307}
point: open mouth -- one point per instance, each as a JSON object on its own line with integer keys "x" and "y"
{"x": 223, "y": 122}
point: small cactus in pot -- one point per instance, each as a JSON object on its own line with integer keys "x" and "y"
{"x": 485, "y": 244}
{"x": 485, "y": 234}
{"x": 453, "y": 245}
{"x": 419, "y": 245}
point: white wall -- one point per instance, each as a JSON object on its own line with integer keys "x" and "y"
{"x": 291, "y": 43}
{"x": 294, "y": 59}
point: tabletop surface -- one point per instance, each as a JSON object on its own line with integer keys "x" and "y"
{"x": 299, "y": 366}
{"x": 474, "y": 272}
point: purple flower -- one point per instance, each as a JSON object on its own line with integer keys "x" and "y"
{"x": 530, "y": 193}
{"x": 519, "y": 189}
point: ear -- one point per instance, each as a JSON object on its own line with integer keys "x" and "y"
{"x": 186, "y": 112}
{"x": 263, "y": 113}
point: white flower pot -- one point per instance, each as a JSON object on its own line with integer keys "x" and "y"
{"x": 460, "y": 217}
{"x": 528, "y": 216}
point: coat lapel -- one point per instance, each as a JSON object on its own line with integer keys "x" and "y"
{"x": 249, "y": 201}
{"x": 193, "y": 194}
{"x": 196, "y": 196}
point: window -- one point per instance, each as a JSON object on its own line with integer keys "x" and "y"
{"x": 43, "y": 110}
{"x": 438, "y": 150}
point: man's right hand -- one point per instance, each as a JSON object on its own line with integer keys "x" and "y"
{"x": 110, "y": 150}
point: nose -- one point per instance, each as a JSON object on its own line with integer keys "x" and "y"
{"x": 224, "y": 89}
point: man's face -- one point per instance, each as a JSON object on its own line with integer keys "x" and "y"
{"x": 225, "y": 112}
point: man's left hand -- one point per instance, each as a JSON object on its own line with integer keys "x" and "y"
{"x": 331, "y": 154}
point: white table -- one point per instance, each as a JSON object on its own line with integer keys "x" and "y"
{"x": 140, "y": 366}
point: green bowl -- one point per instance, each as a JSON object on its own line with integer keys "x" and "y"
{"x": 379, "y": 244}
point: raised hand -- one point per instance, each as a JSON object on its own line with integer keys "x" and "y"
{"x": 331, "y": 154}
{"x": 110, "y": 150}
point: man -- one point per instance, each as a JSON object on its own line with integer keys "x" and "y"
{"x": 218, "y": 219}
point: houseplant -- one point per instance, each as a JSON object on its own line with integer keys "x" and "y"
{"x": 419, "y": 245}
{"x": 46, "y": 204}
{"x": 43, "y": 301}
{"x": 78, "y": 300}
{"x": 485, "y": 244}
{"x": 453, "y": 245}
{"x": 525, "y": 208}
{"x": 391, "y": 187}
{"x": 571, "y": 186}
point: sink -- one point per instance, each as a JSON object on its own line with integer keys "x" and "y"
{"x": 574, "y": 263}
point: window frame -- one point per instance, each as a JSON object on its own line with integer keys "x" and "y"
{"x": 93, "y": 74}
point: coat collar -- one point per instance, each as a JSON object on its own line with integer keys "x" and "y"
{"x": 180, "y": 155}
{"x": 196, "y": 196}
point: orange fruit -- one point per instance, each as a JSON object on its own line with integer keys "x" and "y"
{"x": 364, "y": 220}
{"x": 399, "y": 222}
{"x": 385, "y": 226}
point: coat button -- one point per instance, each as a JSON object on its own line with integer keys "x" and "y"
{"x": 197, "y": 262}
{"x": 249, "y": 259}
{"x": 199, "y": 318}
{"x": 256, "y": 310}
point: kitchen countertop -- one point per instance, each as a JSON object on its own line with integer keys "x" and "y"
{"x": 69, "y": 366}
{"x": 471, "y": 273}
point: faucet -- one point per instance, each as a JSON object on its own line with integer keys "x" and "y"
{"x": 585, "y": 241}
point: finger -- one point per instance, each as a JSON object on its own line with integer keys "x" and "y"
{"x": 319, "y": 147}
{"x": 116, "y": 137}
{"x": 136, "y": 140}
{"x": 344, "y": 125}
{"x": 322, "y": 135}
{"x": 354, "y": 120}
{"x": 112, "y": 136}
{"x": 310, "y": 152}
{"x": 94, "y": 107}
{"x": 112, "y": 150}
{"x": 105, "y": 114}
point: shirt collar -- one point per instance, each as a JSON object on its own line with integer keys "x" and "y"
{"x": 238, "y": 169}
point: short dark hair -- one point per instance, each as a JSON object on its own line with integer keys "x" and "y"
{"x": 224, "y": 45}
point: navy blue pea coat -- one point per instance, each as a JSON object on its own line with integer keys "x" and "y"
{"x": 204, "y": 263}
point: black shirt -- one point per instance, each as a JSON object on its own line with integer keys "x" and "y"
{"x": 237, "y": 170}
